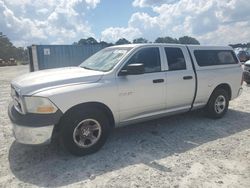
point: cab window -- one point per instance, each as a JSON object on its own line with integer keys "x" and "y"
{"x": 150, "y": 57}
{"x": 215, "y": 57}
{"x": 175, "y": 57}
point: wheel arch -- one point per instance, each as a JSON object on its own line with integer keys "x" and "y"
{"x": 226, "y": 87}
{"x": 83, "y": 106}
{"x": 210, "y": 107}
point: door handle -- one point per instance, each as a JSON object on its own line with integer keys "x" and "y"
{"x": 187, "y": 77}
{"x": 158, "y": 81}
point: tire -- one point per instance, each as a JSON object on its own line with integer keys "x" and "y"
{"x": 218, "y": 103}
{"x": 85, "y": 132}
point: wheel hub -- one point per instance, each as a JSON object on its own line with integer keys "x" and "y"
{"x": 87, "y": 133}
{"x": 220, "y": 104}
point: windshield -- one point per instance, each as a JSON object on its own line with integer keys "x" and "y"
{"x": 105, "y": 59}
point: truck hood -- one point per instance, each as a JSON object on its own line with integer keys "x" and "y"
{"x": 31, "y": 83}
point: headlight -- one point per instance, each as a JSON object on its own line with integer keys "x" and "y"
{"x": 39, "y": 105}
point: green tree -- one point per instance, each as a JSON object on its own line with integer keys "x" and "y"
{"x": 188, "y": 40}
{"x": 122, "y": 41}
{"x": 8, "y": 50}
{"x": 105, "y": 43}
{"x": 89, "y": 40}
{"x": 140, "y": 40}
{"x": 166, "y": 40}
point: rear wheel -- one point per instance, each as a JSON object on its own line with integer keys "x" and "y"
{"x": 85, "y": 132}
{"x": 218, "y": 104}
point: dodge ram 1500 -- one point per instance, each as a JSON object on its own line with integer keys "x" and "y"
{"x": 121, "y": 85}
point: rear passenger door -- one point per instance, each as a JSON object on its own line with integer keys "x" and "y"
{"x": 180, "y": 78}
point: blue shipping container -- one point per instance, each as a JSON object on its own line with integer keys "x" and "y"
{"x": 54, "y": 56}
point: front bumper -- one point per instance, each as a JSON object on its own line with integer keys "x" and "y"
{"x": 33, "y": 129}
{"x": 33, "y": 135}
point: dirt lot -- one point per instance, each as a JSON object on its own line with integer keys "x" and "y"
{"x": 187, "y": 150}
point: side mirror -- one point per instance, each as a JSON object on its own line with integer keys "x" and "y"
{"x": 133, "y": 69}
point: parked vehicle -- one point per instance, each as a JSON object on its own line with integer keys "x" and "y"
{"x": 10, "y": 62}
{"x": 243, "y": 56}
{"x": 247, "y": 72}
{"x": 121, "y": 85}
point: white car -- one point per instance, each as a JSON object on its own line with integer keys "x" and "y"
{"x": 246, "y": 74}
{"x": 121, "y": 85}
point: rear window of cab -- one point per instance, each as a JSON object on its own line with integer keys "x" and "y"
{"x": 215, "y": 57}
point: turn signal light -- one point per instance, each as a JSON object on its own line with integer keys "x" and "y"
{"x": 45, "y": 109}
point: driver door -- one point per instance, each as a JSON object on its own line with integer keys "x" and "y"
{"x": 144, "y": 94}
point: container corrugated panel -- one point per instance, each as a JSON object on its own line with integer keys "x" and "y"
{"x": 55, "y": 56}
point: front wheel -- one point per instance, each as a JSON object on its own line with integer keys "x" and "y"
{"x": 217, "y": 105}
{"x": 85, "y": 132}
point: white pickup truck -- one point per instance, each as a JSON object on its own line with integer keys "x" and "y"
{"x": 121, "y": 85}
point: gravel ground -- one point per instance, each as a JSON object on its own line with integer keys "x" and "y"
{"x": 187, "y": 150}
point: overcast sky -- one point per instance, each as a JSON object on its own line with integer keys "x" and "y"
{"x": 217, "y": 22}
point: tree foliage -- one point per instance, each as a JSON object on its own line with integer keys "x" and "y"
{"x": 140, "y": 40}
{"x": 181, "y": 40}
{"x": 105, "y": 43}
{"x": 89, "y": 40}
{"x": 122, "y": 41}
{"x": 166, "y": 40}
{"x": 188, "y": 40}
{"x": 8, "y": 50}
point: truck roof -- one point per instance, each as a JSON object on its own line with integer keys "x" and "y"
{"x": 169, "y": 44}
